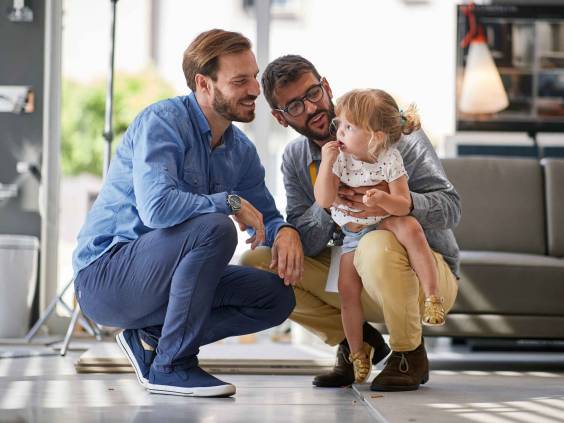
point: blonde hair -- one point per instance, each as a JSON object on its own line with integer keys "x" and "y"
{"x": 375, "y": 110}
{"x": 202, "y": 54}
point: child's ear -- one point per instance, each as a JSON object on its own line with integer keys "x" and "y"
{"x": 279, "y": 118}
{"x": 380, "y": 136}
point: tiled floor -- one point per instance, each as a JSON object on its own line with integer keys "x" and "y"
{"x": 47, "y": 389}
{"x": 464, "y": 387}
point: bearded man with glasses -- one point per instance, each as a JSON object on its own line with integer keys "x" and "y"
{"x": 300, "y": 98}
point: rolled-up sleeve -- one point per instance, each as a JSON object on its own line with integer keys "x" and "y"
{"x": 436, "y": 204}
{"x": 253, "y": 189}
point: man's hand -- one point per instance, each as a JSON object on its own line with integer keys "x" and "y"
{"x": 353, "y": 197}
{"x": 249, "y": 217}
{"x": 288, "y": 256}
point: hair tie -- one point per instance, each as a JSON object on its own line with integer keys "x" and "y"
{"x": 403, "y": 119}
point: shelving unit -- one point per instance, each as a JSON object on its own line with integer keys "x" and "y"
{"x": 527, "y": 44}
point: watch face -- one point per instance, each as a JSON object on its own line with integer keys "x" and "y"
{"x": 234, "y": 202}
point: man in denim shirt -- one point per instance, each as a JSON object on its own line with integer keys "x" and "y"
{"x": 301, "y": 98}
{"x": 153, "y": 255}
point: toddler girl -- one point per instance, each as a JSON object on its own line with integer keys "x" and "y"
{"x": 368, "y": 124}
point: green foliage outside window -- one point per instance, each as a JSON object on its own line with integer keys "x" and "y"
{"x": 83, "y": 107}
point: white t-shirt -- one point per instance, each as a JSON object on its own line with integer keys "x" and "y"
{"x": 355, "y": 173}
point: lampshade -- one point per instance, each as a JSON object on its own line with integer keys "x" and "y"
{"x": 482, "y": 89}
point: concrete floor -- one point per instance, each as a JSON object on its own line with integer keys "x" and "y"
{"x": 526, "y": 387}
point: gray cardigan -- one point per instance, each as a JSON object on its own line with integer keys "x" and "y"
{"x": 436, "y": 204}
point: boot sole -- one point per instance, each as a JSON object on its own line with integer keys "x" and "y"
{"x": 399, "y": 388}
{"x": 124, "y": 346}
{"x": 392, "y": 388}
{"x": 209, "y": 391}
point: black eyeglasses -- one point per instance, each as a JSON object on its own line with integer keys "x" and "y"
{"x": 296, "y": 107}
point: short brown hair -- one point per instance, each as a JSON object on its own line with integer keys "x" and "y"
{"x": 375, "y": 110}
{"x": 201, "y": 56}
{"x": 283, "y": 71}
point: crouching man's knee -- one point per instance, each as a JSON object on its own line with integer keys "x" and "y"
{"x": 282, "y": 300}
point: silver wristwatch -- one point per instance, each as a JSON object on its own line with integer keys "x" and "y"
{"x": 234, "y": 203}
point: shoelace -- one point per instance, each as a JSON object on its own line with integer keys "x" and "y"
{"x": 403, "y": 365}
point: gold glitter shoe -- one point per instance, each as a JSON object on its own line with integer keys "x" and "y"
{"x": 362, "y": 363}
{"x": 434, "y": 312}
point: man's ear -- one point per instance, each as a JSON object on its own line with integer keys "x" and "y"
{"x": 279, "y": 118}
{"x": 202, "y": 83}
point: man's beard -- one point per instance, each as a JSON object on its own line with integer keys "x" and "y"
{"x": 328, "y": 135}
{"x": 228, "y": 108}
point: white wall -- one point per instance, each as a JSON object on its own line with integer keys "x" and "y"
{"x": 86, "y": 37}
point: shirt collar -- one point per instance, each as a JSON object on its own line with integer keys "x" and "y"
{"x": 203, "y": 125}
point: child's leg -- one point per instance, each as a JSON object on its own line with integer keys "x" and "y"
{"x": 409, "y": 233}
{"x": 350, "y": 289}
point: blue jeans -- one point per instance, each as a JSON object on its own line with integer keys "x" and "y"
{"x": 176, "y": 287}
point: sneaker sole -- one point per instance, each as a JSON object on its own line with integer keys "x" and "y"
{"x": 124, "y": 346}
{"x": 210, "y": 391}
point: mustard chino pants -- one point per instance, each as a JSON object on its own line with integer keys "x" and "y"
{"x": 391, "y": 295}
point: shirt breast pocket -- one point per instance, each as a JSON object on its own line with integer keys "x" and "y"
{"x": 194, "y": 181}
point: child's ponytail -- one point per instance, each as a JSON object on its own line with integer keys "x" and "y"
{"x": 410, "y": 120}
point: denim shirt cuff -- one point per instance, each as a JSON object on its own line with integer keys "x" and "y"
{"x": 220, "y": 201}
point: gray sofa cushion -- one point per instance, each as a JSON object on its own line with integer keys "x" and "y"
{"x": 554, "y": 180}
{"x": 502, "y": 204}
{"x": 505, "y": 283}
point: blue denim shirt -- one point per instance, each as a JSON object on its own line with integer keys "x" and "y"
{"x": 164, "y": 172}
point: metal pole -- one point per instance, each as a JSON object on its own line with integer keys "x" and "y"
{"x": 263, "y": 118}
{"x": 108, "y": 129}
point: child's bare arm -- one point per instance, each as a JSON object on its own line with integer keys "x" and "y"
{"x": 327, "y": 183}
{"x": 396, "y": 203}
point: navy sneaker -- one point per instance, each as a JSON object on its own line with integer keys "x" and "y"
{"x": 140, "y": 358}
{"x": 190, "y": 382}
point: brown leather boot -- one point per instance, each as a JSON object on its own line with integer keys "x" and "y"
{"x": 342, "y": 373}
{"x": 404, "y": 371}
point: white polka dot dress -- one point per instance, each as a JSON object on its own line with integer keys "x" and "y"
{"x": 356, "y": 173}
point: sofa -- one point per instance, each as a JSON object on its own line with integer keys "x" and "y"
{"x": 511, "y": 237}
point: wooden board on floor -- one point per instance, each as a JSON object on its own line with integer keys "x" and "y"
{"x": 105, "y": 357}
